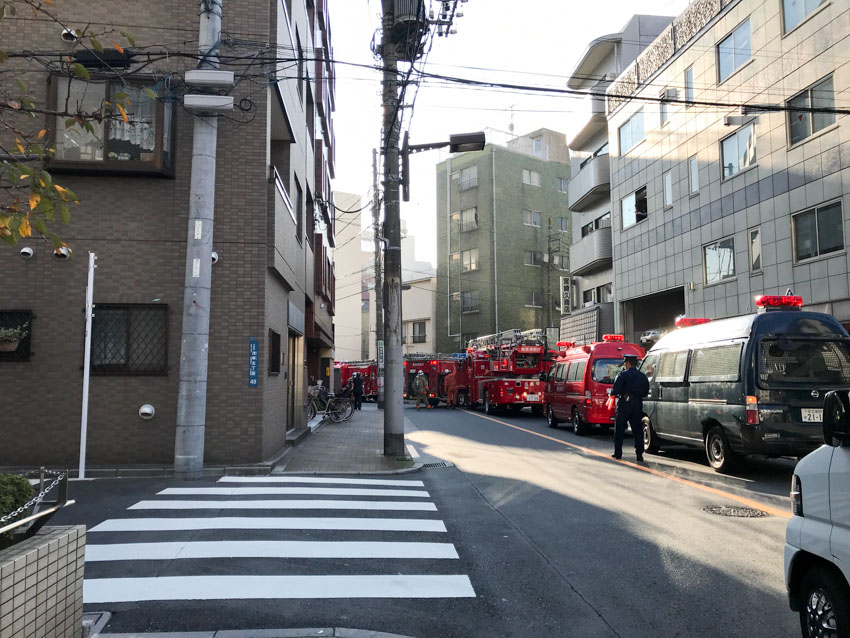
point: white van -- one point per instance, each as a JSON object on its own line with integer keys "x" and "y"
{"x": 817, "y": 539}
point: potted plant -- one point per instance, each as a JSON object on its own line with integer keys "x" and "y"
{"x": 11, "y": 337}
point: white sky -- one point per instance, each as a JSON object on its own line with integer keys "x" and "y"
{"x": 528, "y": 42}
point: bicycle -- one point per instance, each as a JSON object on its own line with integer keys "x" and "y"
{"x": 337, "y": 409}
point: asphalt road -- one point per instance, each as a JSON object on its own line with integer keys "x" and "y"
{"x": 554, "y": 537}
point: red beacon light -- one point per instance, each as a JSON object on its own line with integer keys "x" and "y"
{"x": 566, "y": 344}
{"x": 779, "y": 301}
{"x": 686, "y": 322}
{"x": 613, "y": 338}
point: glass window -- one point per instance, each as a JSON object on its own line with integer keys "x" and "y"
{"x": 468, "y": 178}
{"x": 818, "y": 231}
{"x": 663, "y": 108}
{"x": 668, "y": 188}
{"x": 755, "y": 249}
{"x": 532, "y": 218}
{"x": 719, "y": 363}
{"x": 693, "y": 174}
{"x": 561, "y": 373}
{"x": 419, "y": 332}
{"x": 794, "y": 11}
{"x": 802, "y": 124}
{"x": 739, "y": 150}
{"x": 649, "y": 365}
{"x": 802, "y": 362}
{"x": 631, "y": 133}
{"x": 559, "y": 261}
{"x": 689, "y": 84}
{"x": 734, "y": 50}
{"x": 469, "y": 260}
{"x": 129, "y": 340}
{"x": 634, "y": 207}
{"x": 469, "y": 219}
{"x": 604, "y": 293}
{"x": 533, "y": 258}
{"x": 563, "y": 224}
{"x": 606, "y": 370}
{"x": 469, "y": 301}
{"x": 530, "y": 177}
{"x": 563, "y": 185}
{"x": 672, "y": 366}
{"x": 587, "y": 296}
{"x": 577, "y": 371}
{"x": 539, "y": 148}
{"x": 534, "y": 297}
{"x": 719, "y": 260}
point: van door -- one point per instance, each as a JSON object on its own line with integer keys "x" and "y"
{"x": 558, "y": 399}
{"x": 839, "y": 504}
{"x": 716, "y": 389}
{"x": 671, "y": 403}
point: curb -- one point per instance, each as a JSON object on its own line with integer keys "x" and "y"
{"x": 306, "y": 632}
{"x": 416, "y": 467}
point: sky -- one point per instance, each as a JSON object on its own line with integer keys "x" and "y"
{"x": 527, "y": 42}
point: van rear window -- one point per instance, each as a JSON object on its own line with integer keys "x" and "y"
{"x": 793, "y": 362}
{"x": 716, "y": 363}
{"x": 606, "y": 370}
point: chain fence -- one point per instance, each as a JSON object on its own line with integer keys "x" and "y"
{"x": 37, "y": 498}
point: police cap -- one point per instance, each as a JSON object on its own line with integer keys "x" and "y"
{"x": 630, "y": 358}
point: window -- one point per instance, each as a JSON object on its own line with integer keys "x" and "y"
{"x": 631, "y": 133}
{"x": 577, "y": 371}
{"x": 468, "y": 178}
{"x": 561, "y": 372}
{"x": 563, "y": 185}
{"x": 563, "y": 224}
{"x": 606, "y": 370}
{"x": 534, "y": 298}
{"x": 469, "y": 219}
{"x": 300, "y": 78}
{"x": 419, "y": 332}
{"x": 143, "y": 144}
{"x": 17, "y": 319}
{"x": 561, "y": 262}
{"x": 739, "y": 150}
{"x": 689, "y": 85}
{"x": 719, "y": 260}
{"x": 129, "y": 340}
{"x": 693, "y": 174}
{"x": 755, "y": 249}
{"x": 532, "y": 218}
{"x": 539, "y": 148}
{"x": 633, "y": 207}
{"x": 274, "y": 352}
{"x": 587, "y": 229}
{"x": 530, "y": 177}
{"x": 299, "y": 212}
{"x": 604, "y": 293}
{"x": 818, "y": 231}
{"x": 734, "y": 50}
{"x": 802, "y": 124}
{"x": 587, "y": 297}
{"x": 672, "y": 366}
{"x": 803, "y": 363}
{"x": 795, "y": 11}
{"x": 469, "y": 260}
{"x": 663, "y": 108}
{"x": 718, "y": 363}
{"x": 668, "y": 189}
{"x": 533, "y": 258}
{"x": 649, "y": 365}
{"x": 469, "y": 301}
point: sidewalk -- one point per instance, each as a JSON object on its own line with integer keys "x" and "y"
{"x": 352, "y": 447}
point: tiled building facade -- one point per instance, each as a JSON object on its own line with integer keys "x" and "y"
{"x": 273, "y": 232}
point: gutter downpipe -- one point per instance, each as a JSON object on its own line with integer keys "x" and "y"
{"x": 495, "y": 257}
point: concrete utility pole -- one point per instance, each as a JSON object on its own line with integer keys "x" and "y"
{"x": 394, "y": 401}
{"x": 192, "y": 386}
{"x": 379, "y": 286}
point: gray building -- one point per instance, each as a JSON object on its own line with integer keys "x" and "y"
{"x": 503, "y": 235}
{"x": 713, "y": 203}
{"x": 592, "y": 295}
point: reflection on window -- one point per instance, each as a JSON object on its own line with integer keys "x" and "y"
{"x": 755, "y": 249}
{"x": 532, "y": 218}
{"x": 563, "y": 185}
{"x": 530, "y": 177}
{"x": 802, "y": 124}
{"x": 668, "y": 188}
{"x": 739, "y": 150}
{"x": 689, "y": 84}
{"x": 533, "y": 258}
{"x": 693, "y": 174}
{"x": 469, "y": 260}
{"x": 734, "y": 50}
{"x": 534, "y": 297}
{"x": 563, "y": 224}
{"x": 469, "y": 219}
{"x": 631, "y": 132}
{"x": 719, "y": 260}
{"x": 633, "y": 207}
{"x": 795, "y": 11}
{"x": 818, "y": 231}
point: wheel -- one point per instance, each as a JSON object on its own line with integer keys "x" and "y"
{"x": 579, "y": 427}
{"x": 488, "y": 407}
{"x": 349, "y": 409}
{"x": 720, "y": 455}
{"x": 310, "y": 411}
{"x": 462, "y": 400}
{"x": 551, "y": 421}
{"x": 824, "y": 604}
{"x": 336, "y": 411}
{"x": 651, "y": 444}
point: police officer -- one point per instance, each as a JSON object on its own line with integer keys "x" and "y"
{"x": 630, "y": 387}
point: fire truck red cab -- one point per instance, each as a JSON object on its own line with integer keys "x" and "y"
{"x": 436, "y": 367}
{"x": 579, "y": 382}
{"x": 367, "y": 369}
{"x": 412, "y": 365}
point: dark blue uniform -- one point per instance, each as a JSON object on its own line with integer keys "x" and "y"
{"x": 630, "y": 386}
{"x": 358, "y": 392}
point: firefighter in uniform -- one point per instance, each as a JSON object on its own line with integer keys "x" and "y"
{"x": 420, "y": 388}
{"x": 630, "y": 387}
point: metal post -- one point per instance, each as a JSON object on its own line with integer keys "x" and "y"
{"x": 192, "y": 385}
{"x": 394, "y": 403}
{"x": 84, "y": 419}
{"x": 379, "y": 286}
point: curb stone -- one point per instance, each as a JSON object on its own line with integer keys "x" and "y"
{"x": 331, "y": 632}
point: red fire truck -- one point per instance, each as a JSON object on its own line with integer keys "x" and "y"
{"x": 367, "y": 369}
{"x": 436, "y": 368}
{"x": 502, "y": 371}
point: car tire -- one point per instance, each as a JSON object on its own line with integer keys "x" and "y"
{"x": 462, "y": 400}
{"x": 824, "y": 602}
{"x": 720, "y": 455}
{"x": 551, "y": 421}
{"x": 579, "y": 427}
{"x": 488, "y": 407}
{"x": 651, "y": 442}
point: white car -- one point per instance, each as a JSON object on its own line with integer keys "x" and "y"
{"x": 649, "y": 337}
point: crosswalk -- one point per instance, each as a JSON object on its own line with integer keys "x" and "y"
{"x": 276, "y": 537}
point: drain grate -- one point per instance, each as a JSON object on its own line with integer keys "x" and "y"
{"x": 734, "y": 510}
{"x": 440, "y": 464}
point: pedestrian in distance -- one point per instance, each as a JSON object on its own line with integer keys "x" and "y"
{"x": 420, "y": 389}
{"x": 630, "y": 387}
{"x": 357, "y": 390}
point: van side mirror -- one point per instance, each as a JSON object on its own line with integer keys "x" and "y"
{"x": 836, "y": 428}
{"x": 544, "y": 376}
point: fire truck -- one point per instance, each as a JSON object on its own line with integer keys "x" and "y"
{"x": 368, "y": 370}
{"x": 502, "y": 371}
{"x": 436, "y": 368}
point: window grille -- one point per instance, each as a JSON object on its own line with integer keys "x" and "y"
{"x": 130, "y": 339}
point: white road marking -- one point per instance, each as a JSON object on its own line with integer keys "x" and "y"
{"x": 318, "y": 479}
{"x": 307, "y": 491}
{"x": 113, "y": 590}
{"x": 268, "y": 549}
{"x": 406, "y": 506}
{"x": 179, "y": 524}
{"x": 412, "y": 451}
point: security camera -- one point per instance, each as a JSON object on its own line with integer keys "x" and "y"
{"x": 69, "y": 36}
{"x": 147, "y": 412}
{"x": 214, "y": 255}
{"x": 27, "y": 252}
{"x": 62, "y": 253}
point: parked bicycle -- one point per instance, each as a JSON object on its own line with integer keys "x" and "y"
{"x": 335, "y": 408}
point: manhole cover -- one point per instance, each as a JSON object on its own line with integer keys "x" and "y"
{"x": 734, "y": 510}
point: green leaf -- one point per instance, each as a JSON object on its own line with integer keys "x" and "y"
{"x": 48, "y": 180}
{"x": 21, "y": 86}
{"x": 89, "y": 127}
{"x": 28, "y": 170}
{"x": 129, "y": 38}
{"x": 3, "y": 56}
{"x": 38, "y": 149}
{"x": 82, "y": 72}
{"x": 70, "y": 122}
{"x": 54, "y": 239}
{"x": 148, "y": 91}
{"x": 26, "y": 102}
{"x": 39, "y": 225}
{"x": 95, "y": 44}
{"x": 71, "y": 195}
{"x": 64, "y": 215}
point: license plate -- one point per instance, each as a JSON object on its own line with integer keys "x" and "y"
{"x": 532, "y": 397}
{"x": 812, "y": 415}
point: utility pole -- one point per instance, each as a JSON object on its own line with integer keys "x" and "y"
{"x": 393, "y": 405}
{"x": 192, "y": 384}
{"x": 379, "y": 286}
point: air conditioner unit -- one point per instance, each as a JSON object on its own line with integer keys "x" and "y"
{"x": 733, "y": 120}
{"x": 669, "y": 94}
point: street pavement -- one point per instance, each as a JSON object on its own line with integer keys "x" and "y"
{"x": 528, "y": 532}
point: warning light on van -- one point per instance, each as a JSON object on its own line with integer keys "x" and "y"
{"x": 613, "y": 338}
{"x": 779, "y": 301}
{"x": 566, "y": 344}
{"x": 685, "y": 322}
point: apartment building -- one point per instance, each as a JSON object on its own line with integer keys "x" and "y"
{"x": 723, "y": 185}
{"x": 272, "y": 296}
{"x": 592, "y": 294}
{"x": 503, "y": 238}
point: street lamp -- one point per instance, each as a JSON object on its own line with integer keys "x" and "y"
{"x": 459, "y": 143}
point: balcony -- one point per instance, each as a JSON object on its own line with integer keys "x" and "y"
{"x": 591, "y": 184}
{"x": 593, "y": 117}
{"x": 592, "y": 252}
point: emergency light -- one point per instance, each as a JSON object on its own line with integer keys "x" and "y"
{"x": 565, "y": 344}
{"x": 613, "y": 338}
{"x": 685, "y": 322}
{"x": 779, "y": 301}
